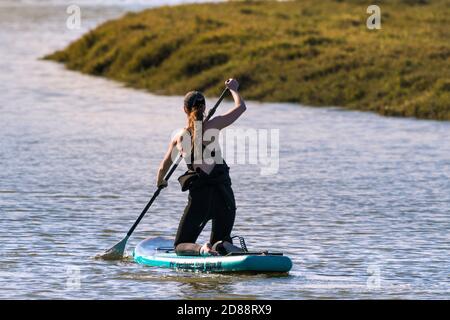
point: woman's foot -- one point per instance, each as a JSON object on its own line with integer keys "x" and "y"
{"x": 207, "y": 250}
{"x": 225, "y": 247}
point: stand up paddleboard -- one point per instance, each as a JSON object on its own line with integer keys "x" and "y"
{"x": 158, "y": 252}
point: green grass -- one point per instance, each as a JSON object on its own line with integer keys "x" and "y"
{"x": 312, "y": 52}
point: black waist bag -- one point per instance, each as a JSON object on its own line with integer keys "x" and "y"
{"x": 187, "y": 179}
{"x": 219, "y": 178}
{"x": 196, "y": 179}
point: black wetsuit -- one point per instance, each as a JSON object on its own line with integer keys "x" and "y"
{"x": 210, "y": 198}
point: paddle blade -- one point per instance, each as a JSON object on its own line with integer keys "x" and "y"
{"x": 116, "y": 252}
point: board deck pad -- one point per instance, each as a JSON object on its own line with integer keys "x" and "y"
{"x": 147, "y": 253}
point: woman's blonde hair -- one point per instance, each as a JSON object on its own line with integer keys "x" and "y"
{"x": 194, "y": 103}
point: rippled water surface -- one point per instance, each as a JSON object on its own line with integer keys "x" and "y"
{"x": 360, "y": 203}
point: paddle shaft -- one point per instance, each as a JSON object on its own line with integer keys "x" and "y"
{"x": 172, "y": 169}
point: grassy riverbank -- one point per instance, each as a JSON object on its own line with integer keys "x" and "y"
{"x": 312, "y": 52}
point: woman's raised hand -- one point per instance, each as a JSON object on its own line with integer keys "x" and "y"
{"x": 232, "y": 84}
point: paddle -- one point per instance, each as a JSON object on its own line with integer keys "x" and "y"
{"x": 116, "y": 252}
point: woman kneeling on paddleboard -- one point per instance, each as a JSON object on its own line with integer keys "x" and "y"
{"x": 207, "y": 179}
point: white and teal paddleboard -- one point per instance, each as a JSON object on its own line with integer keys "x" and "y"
{"x": 158, "y": 252}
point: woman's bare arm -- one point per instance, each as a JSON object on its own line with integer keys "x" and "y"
{"x": 231, "y": 116}
{"x": 166, "y": 163}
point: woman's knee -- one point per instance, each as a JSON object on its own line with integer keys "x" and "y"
{"x": 187, "y": 249}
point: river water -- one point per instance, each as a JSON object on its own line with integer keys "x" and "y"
{"x": 360, "y": 202}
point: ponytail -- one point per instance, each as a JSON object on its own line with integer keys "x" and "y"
{"x": 194, "y": 117}
{"x": 194, "y": 103}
